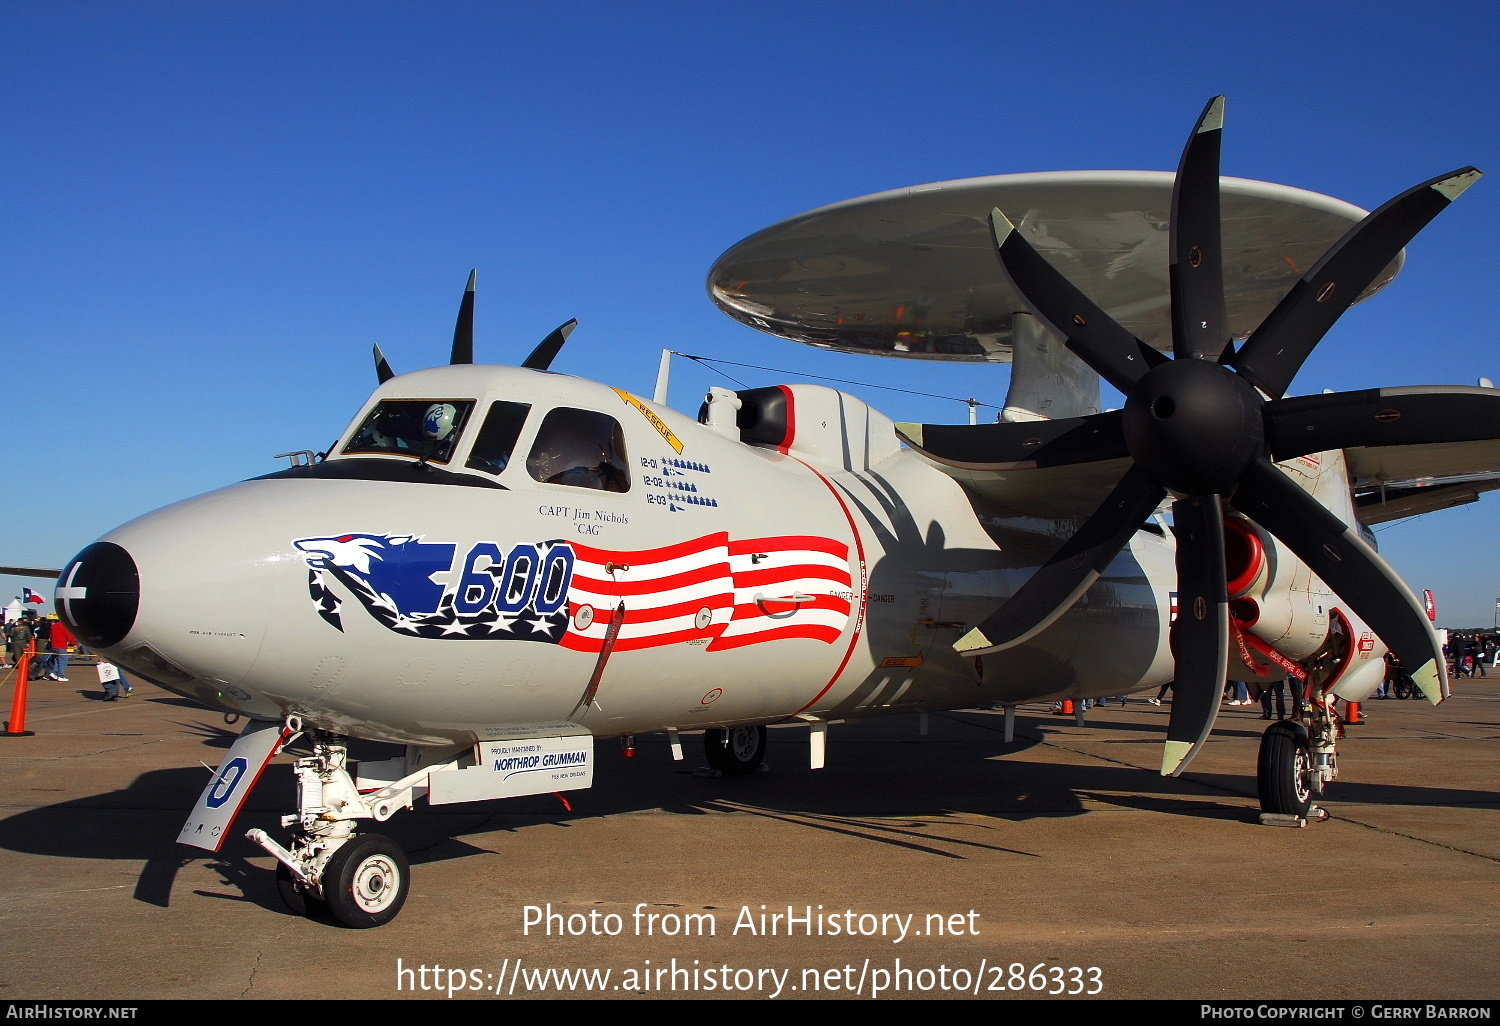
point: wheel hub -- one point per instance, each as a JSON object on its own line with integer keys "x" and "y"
{"x": 1301, "y": 770}
{"x": 742, "y": 741}
{"x": 1194, "y": 426}
{"x": 375, "y": 883}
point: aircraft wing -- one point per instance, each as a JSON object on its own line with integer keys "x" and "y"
{"x": 29, "y": 571}
{"x": 1392, "y": 482}
{"x": 1058, "y": 469}
{"x": 1395, "y": 465}
{"x": 1397, "y": 500}
{"x": 1055, "y": 493}
{"x": 1065, "y": 468}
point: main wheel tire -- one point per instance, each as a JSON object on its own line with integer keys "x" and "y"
{"x": 735, "y": 751}
{"x": 366, "y": 880}
{"x": 1285, "y": 767}
{"x": 294, "y": 892}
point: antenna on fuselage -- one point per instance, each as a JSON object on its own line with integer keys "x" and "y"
{"x": 663, "y": 376}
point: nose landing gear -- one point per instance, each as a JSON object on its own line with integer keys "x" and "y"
{"x": 362, "y": 880}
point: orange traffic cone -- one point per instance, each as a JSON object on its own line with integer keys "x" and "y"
{"x": 16, "y": 725}
{"x": 1351, "y": 713}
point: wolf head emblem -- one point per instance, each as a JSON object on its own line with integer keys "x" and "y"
{"x": 397, "y": 568}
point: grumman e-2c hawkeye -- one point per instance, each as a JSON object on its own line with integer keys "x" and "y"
{"x": 495, "y": 566}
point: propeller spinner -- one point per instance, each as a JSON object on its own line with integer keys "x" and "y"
{"x": 1208, "y": 424}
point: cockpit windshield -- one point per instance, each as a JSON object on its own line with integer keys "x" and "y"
{"x": 421, "y": 428}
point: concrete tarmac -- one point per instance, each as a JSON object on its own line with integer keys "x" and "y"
{"x": 1062, "y": 851}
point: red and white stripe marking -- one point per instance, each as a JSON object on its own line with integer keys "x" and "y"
{"x": 734, "y": 593}
{"x": 796, "y": 586}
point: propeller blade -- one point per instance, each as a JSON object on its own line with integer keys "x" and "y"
{"x": 1348, "y": 565}
{"x": 1200, "y": 323}
{"x": 1276, "y": 350}
{"x": 463, "y": 330}
{"x": 1200, "y": 636}
{"x": 1062, "y": 580}
{"x": 382, "y": 369}
{"x": 1022, "y": 444}
{"x": 1410, "y": 415}
{"x": 1117, "y": 355}
{"x": 542, "y": 356}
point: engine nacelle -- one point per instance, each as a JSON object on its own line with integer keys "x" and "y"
{"x": 1272, "y": 594}
{"x": 1352, "y": 664}
{"x": 1275, "y": 597}
{"x": 1247, "y": 569}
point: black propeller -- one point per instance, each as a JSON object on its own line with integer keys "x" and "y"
{"x": 463, "y": 339}
{"x": 1208, "y": 431}
{"x": 463, "y": 329}
{"x": 542, "y": 356}
{"x": 382, "y": 368}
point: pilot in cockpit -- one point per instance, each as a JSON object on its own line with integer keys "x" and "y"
{"x": 438, "y": 425}
{"x": 420, "y": 428}
{"x": 580, "y": 448}
{"x": 601, "y": 474}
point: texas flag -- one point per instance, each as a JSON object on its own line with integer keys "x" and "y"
{"x": 31, "y": 596}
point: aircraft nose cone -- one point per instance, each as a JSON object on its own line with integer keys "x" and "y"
{"x": 99, "y": 594}
{"x": 180, "y": 596}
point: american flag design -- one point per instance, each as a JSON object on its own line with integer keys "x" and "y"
{"x": 516, "y": 597}
{"x": 731, "y": 593}
{"x": 734, "y": 593}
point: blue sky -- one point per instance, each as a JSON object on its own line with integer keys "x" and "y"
{"x": 213, "y": 210}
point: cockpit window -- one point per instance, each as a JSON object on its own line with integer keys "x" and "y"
{"x": 497, "y": 438}
{"x": 580, "y": 448}
{"x": 422, "y": 428}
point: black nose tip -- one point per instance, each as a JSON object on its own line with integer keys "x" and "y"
{"x": 99, "y": 594}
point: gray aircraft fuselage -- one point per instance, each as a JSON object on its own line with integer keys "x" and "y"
{"x": 440, "y": 602}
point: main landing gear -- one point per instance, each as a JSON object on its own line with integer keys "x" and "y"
{"x": 735, "y": 751}
{"x": 362, "y": 880}
{"x": 1298, "y": 759}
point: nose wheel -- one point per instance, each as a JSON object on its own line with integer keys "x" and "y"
{"x": 366, "y": 881}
